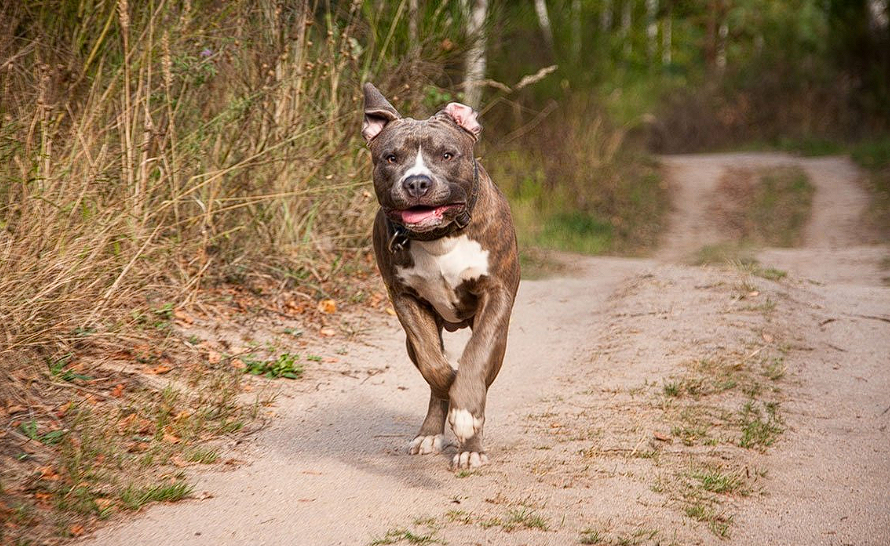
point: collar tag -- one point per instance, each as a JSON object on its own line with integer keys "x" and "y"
{"x": 399, "y": 240}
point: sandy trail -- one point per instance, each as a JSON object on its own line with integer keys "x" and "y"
{"x": 577, "y": 404}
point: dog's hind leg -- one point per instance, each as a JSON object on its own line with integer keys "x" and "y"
{"x": 431, "y": 437}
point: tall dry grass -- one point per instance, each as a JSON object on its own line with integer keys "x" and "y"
{"x": 146, "y": 147}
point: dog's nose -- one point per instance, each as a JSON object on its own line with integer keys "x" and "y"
{"x": 417, "y": 185}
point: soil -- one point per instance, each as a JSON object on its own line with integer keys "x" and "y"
{"x": 585, "y": 440}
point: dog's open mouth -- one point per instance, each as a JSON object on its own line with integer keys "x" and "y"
{"x": 422, "y": 216}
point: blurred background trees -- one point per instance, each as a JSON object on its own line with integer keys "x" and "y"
{"x": 175, "y": 143}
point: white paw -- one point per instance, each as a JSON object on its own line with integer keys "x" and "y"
{"x": 469, "y": 459}
{"x": 464, "y": 425}
{"x": 424, "y": 445}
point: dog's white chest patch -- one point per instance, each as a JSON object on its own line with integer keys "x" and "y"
{"x": 441, "y": 266}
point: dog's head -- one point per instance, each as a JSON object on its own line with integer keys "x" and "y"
{"x": 424, "y": 170}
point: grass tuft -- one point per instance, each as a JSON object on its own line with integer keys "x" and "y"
{"x": 134, "y": 498}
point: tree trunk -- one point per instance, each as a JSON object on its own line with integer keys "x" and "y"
{"x": 666, "y": 38}
{"x": 652, "y": 30}
{"x": 576, "y": 31}
{"x": 412, "y": 22}
{"x": 606, "y": 16}
{"x": 626, "y": 22}
{"x": 544, "y": 22}
{"x": 476, "y": 12}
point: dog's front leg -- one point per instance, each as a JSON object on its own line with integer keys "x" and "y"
{"x": 479, "y": 365}
{"x": 424, "y": 343}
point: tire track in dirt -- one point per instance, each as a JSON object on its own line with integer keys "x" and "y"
{"x": 572, "y": 416}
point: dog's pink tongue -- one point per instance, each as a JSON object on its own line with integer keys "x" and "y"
{"x": 416, "y": 216}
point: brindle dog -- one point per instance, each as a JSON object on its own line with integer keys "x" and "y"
{"x": 446, "y": 248}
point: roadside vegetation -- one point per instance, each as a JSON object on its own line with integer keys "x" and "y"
{"x": 159, "y": 159}
{"x": 874, "y": 157}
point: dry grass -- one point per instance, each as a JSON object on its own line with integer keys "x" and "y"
{"x": 149, "y": 151}
{"x": 574, "y": 184}
{"x": 766, "y": 207}
{"x": 166, "y": 150}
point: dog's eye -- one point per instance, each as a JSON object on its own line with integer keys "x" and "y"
{"x": 390, "y": 158}
{"x": 447, "y": 155}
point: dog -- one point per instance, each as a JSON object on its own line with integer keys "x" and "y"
{"x": 446, "y": 248}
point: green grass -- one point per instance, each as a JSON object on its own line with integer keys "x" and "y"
{"x": 285, "y": 366}
{"x": 719, "y": 524}
{"x": 406, "y": 536}
{"x": 716, "y": 480}
{"x": 134, "y": 498}
{"x": 574, "y": 188}
{"x": 202, "y": 455}
{"x": 760, "y": 425}
{"x": 592, "y": 536}
{"x": 518, "y": 518}
{"x": 874, "y": 157}
{"x": 575, "y": 231}
{"x": 602, "y": 538}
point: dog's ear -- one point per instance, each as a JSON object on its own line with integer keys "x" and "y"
{"x": 465, "y": 117}
{"x": 378, "y": 112}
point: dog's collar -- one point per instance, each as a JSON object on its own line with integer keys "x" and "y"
{"x": 400, "y": 237}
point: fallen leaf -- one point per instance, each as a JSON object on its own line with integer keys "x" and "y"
{"x": 137, "y": 447}
{"x": 118, "y": 390}
{"x": 661, "y": 437}
{"x": 238, "y": 364}
{"x": 178, "y": 461}
{"x": 76, "y": 530}
{"x": 48, "y": 473}
{"x": 16, "y": 409}
{"x": 62, "y": 410}
{"x": 104, "y": 504}
{"x": 182, "y": 316}
{"x": 327, "y": 306}
{"x": 767, "y": 338}
{"x": 43, "y": 496}
{"x": 214, "y": 357}
{"x": 160, "y": 370}
{"x": 328, "y": 332}
{"x": 171, "y": 438}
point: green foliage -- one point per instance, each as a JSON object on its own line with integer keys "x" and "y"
{"x": 873, "y": 155}
{"x": 285, "y": 366}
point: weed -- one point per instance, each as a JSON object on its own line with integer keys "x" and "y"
{"x": 716, "y": 480}
{"x": 592, "y": 536}
{"x": 458, "y": 516}
{"x": 396, "y": 536}
{"x": 518, "y": 518}
{"x": 203, "y": 455}
{"x": 285, "y": 366}
{"x": 134, "y": 498}
{"x": 775, "y": 369}
{"x": 674, "y": 388}
{"x": 759, "y": 431}
{"x": 718, "y": 524}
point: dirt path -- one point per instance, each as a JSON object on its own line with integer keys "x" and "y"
{"x": 585, "y": 441}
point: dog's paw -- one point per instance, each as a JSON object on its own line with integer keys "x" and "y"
{"x": 468, "y": 460}
{"x": 424, "y": 445}
{"x": 464, "y": 425}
